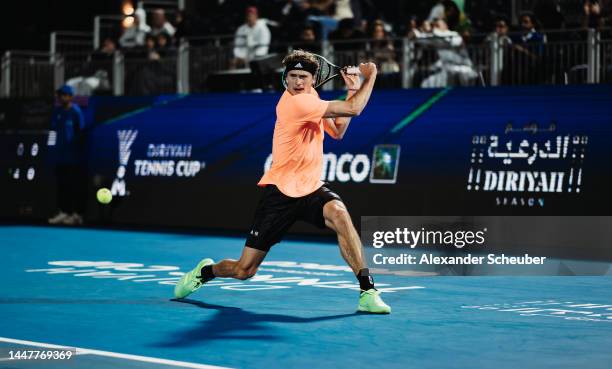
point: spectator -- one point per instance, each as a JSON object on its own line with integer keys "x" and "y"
{"x": 457, "y": 20}
{"x": 505, "y": 43}
{"x": 135, "y": 35}
{"x": 155, "y": 74}
{"x": 528, "y": 50}
{"x": 323, "y": 13}
{"x": 453, "y": 15}
{"x": 412, "y": 28}
{"x": 531, "y": 42}
{"x": 351, "y": 9}
{"x": 324, "y": 6}
{"x": 346, "y": 32}
{"x": 453, "y": 66}
{"x": 308, "y": 40}
{"x": 251, "y": 40}
{"x": 160, "y": 24}
{"x": 529, "y": 34}
{"x": 344, "y": 9}
{"x": 416, "y": 30}
{"x": 291, "y": 17}
{"x": 164, "y": 45}
{"x": 184, "y": 25}
{"x": 437, "y": 11}
{"x": 549, "y": 13}
{"x": 426, "y": 27}
{"x": 94, "y": 76}
{"x": 382, "y": 49}
{"x": 68, "y": 123}
{"x": 101, "y": 68}
{"x": 150, "y": 50}
{"x": 500, "y": 32}
{"x": 424, "y": 54}
{"x": 106, "y": 51}
{"x": 593, "y": 17}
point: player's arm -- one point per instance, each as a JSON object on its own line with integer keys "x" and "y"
{"x": 336, "y": 127}
{"x": 355, "y": 104}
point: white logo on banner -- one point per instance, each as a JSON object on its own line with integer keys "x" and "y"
{"x": 126, "y": 139}
{"x": 521, "y": 171}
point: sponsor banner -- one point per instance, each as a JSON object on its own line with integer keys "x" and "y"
{"x": 194, "y": 161}
{"x": 523, "y": 167}
{"x": 159, "y": 160}
{"x": 380, "y": 168}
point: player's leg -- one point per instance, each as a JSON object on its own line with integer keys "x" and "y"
{"x": 242, "y": 269}
{"x": 337, "y": 218}
{"x": 206, "y": 270}
{"x": 273, "y": 217}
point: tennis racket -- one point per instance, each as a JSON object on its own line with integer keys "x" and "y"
{"x": 327, "y": 71}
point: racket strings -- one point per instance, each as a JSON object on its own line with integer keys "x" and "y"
{"x": 325, "y": 71}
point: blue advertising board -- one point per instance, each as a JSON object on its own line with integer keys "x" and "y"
{"x": 194, "y": 160}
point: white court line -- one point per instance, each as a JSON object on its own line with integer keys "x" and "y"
{"x": 84, "y": 351}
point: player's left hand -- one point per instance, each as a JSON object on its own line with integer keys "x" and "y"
{"x": 352, "y": 81}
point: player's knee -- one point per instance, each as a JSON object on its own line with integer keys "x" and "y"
{"x": 338, "y": 215}
{"x": 243, "y": 273}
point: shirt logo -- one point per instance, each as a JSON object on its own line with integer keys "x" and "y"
{"x": 298, "y": 65}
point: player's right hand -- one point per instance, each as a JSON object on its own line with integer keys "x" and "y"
{"x": 367, "y": 69}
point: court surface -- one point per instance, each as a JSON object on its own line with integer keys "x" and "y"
{"x": 108, "y": 293}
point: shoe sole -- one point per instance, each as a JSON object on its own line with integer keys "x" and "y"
{"x": 364, "y": 310}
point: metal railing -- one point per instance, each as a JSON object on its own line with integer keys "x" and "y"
{"x": 572, "y": 9}
{"x": 583, "y": 56}
{"x": 605, "y": 68}
{"x": 164, "y": 4}
{"x": 70, "y": 42}
{"x": 106, "y": 25}
{"x": 150, "y": 77}
{"x": 31, "y": 73}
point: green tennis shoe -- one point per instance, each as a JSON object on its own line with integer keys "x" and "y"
{"x": 191, "y": 281}
{"x": 370, "y": 302}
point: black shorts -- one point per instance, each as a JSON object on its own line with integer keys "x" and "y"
{"x": 276, "y": 213}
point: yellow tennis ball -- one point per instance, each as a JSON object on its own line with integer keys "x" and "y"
{"x": 104, "y": 196}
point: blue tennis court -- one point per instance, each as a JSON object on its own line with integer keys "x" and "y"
{"x": 108, "y": 294}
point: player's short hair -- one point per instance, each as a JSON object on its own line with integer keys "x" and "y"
{"x": 299, "y": 55}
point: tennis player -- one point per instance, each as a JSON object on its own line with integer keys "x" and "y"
{"x": 293, "y": 189}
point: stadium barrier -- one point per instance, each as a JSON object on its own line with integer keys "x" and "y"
{"x": 193, "y": 160}
{"x": 204, "y": 64}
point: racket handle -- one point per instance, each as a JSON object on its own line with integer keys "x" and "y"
{"x": 352, "y": 70}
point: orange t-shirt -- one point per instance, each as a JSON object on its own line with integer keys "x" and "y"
{"x": 297, "y": 147}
